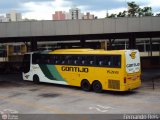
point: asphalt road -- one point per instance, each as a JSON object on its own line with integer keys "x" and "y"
{"x": 28, "y": 98}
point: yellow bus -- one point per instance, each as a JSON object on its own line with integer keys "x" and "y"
{"x": 97, "y": 70}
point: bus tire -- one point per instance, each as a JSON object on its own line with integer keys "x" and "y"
{"x": 85, "y": 85}
{"x": 97, "y": 86}
{"x": 36, "y": 79}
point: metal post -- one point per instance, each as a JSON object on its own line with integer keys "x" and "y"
{"x": 83, "y": 43}
{"x": 150, "y": 45}
{"x": 159, "y": 50}
{"x": 110, "y": 44}
{"x": 144, "y": 46}
{"x": 132, "y": 42}
{"x": 33, "y": 45}
{"x": 125, "y": 45}
{"x": 153, "y": 84}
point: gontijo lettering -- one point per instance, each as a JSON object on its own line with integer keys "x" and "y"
{"x": 133, "y": 65}
{"x": 74, "y": 69}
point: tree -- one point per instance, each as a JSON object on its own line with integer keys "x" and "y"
{"x": 122, "y": 14}
{"x": 112, "y": 16}
{"x": 147, "y": 11}
{"x": 158, "y": 14}
{"x": 133, "y": 9}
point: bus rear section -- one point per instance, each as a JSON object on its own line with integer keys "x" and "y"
{"x": 132, "y": 77}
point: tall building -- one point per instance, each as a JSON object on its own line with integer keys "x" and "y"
{"x": 88, "y": 16}
{"x": 14, "y": 16}
{"x": 74, "y": 13}
{"x": 59, "y": 15}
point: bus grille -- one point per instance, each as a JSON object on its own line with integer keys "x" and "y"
{"x": 114, "y": 84}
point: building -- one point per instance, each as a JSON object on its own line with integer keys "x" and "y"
{"x": 74, "y": 13}
{"x": 3, "y": 19}
{"x": 88, "y": 16}
{"x": 14, "y": 16}
{"x": 59, "y": 15}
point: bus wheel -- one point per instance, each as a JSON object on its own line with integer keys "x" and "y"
{"x": 85, "y": 85}
{"x": 97, "y": 86}
{"x": 36, "y": 79}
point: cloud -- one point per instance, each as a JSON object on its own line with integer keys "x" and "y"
{"x": 98, "y": 4}
{"x": 43, "y": 9}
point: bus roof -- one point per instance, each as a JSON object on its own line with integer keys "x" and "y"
{"x": 87, "y": 51}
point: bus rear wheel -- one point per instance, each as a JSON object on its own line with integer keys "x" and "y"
{"x": 36, "y": 79}
{"x": 97, "y": 86}
{"x": 85, "y": 85}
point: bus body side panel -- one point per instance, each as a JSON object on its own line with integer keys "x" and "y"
{"x": 46, "y": 73}
{"x": 75, "y": 74}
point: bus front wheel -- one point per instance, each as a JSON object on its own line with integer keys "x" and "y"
{"x": 97, "y": 86}
{"x": 85, "y": 85}
{"x": 36, "y": 79}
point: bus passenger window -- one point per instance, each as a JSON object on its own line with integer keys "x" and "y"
{"x": 109, "y": 63}
{"x": 76, "y": 62}
{"x": 116, "y": 61}
{"x": 100, "y": 63}
{"x": 91, "y": 62}
{"x": 83, "y": 62}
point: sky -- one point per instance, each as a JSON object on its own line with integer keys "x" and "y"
{"x": 43, "y": 9}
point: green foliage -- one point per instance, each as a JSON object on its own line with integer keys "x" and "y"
{"x": 158, "y": 14}
{"x": 122, "y": 14}
{"x": 112, "y": 16}
{"x": 134, "y": 11}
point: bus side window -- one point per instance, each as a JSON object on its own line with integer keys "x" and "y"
{"x": 43, "y": 58}
{"x": 38, "y": 59}
{"x": 46, "y": 59}
{"x": 52, "y": 59}
{"x": 103, "y": 60}
{"x": 77, "y": 60}
{"x": 91, "y": 60}
{"x": 100, "y": 63}
{"x": 66, "y": 59}
{"x": 108, "y": 60}
{"x": 69, "y": 60}
{"x": 59, "y": 60}
{"x": 83, "y": 60}
{"x": 116, "y": 61}
{"x": 100, "y": 60}
{"x": 34, "y": 59}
